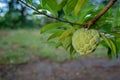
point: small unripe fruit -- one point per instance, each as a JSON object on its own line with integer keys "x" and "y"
{"x": 85, "y": 41}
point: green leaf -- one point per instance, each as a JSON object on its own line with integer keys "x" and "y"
{"x": 63, "y": 37}
{"x": 116, "y": 34}
{"x": 29, "y": 1}
{"x": 70, "y": 5}
{"x": 79, "y": 6}
{"x": 63, "y": 3}
{"x": 116, "y": 18}
{"x": 105, "y": 27}
{"x": 43, "y": 3}
{"x": 65, "y": 34}
{"x": 67, "y": 42}
{"x": 81, "y": 18}
{"x": 39, "y": 7}
{"x": 51, "y": 26}
{"x": 110, "y": 43}
{"x": 71, "y": 51}
{"x": 118, "y": 44}
{"x": 52, "y": 6}
{"x": 54, "y": 35}
{"x": 58, "y": 43}
{"x": 109, "y": 53}
{"x": 84, "y": 12}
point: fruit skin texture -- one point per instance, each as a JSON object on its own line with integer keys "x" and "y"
{"x": 85, "y": 41}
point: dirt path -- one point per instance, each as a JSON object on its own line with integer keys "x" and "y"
{"x": 84, "y": 68}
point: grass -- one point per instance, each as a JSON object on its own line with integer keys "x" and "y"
{"x": 17, "y": 46}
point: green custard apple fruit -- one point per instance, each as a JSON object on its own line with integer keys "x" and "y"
{"x": 85, "y": 40}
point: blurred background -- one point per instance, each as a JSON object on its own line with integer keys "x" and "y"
{"x": 14, "y": 15}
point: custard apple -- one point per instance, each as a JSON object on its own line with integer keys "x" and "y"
{"x": 85, "y": 41}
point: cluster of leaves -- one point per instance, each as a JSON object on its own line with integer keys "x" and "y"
{"x": 110, "y": 26}
{"x": 80, "y": 11}
{"x": 62, "y": 33}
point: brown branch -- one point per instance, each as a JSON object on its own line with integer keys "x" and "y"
{"x": 91, "y": 22}
{"x": 58, "y": 19}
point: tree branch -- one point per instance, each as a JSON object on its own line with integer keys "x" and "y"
{"x": 58, "y": 19}
{"x": 96, "y": 18}
{"x": 88, "y": 25}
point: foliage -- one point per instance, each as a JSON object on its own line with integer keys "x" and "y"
{"x": 70, "y": 13}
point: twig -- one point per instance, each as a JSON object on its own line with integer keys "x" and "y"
{"x": 58, "y": 19}
{"x": 91, "y": 22}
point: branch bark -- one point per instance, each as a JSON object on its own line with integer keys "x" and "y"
{"x": 96, "y": 18}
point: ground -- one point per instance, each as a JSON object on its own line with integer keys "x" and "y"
{"x": 85, "y": 68}
{"x": 26, "y": 55}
